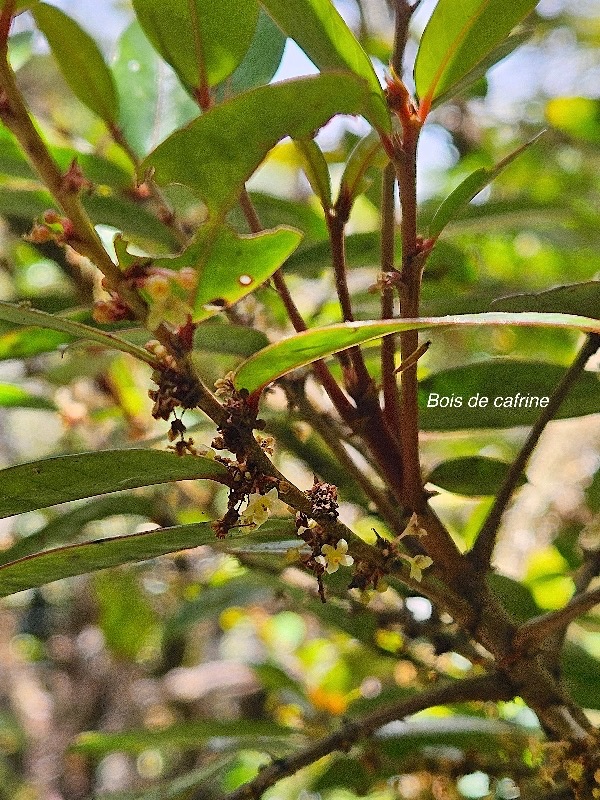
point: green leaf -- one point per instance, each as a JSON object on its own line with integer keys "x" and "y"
{"x": 137, "y": 223}
{"x": 262, "y": 59}
{"x": 460, "y": 36}
{"x": 362, "y": 250}
{"x": 183, "y": 787}
{"x": 150, "y": 108}
{"x": 297, "y": 351}
{"x": 236, "y": 340}
{"x": 235, "y": 137}
{"x": 203, "y": 40}
{"x": 232, "y": 265}
{"x": 579, "y": 117}
{"x": 366, "y": 153}
{"x": 23, "y": 315}
{"x": 44, "y": 483}
{"x": 500, "y": 381}
{"x": 574, "y": 298}
{"x": 316, "y": 169}
{"x": 14, "y": 397}
{"x": 24, "y": 342}
{"x": 516, "y": 598}
{"x": 80, "y": 61}
{"x": 79, "y": 559}
{"x": 321, "y": 32}
{"x": 504, "y": 49}
{"x": 20, "y": 49}
{"x": 472, "y": 476}
{"x": 67, "y": 527}
{"x": 467, "y": 190}
{"x": 581, "y": 672}
{"x": 184, "y": 736}
{"x": 125, "y": 615}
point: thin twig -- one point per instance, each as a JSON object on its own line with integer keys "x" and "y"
{"x": 341, "y": 403}
{"x": 492, "y": 687}
{"x": 481, "y": 554}
{"x": 537, "y": 629}
{"x": 356, "y": 376}
{"x": 387, "y": 510}
{"x": 165, "y": 212}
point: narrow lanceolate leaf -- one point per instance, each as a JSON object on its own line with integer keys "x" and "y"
{"x": 467, "y": 190}
{"x": 15, "y": 397}
{"x": 458, "y": 36}
{"x": 316, "y": 169}
{"x": 321, "y": 32}
{"x": 297, "y": 351}
{"x": 472, "y": 476}
{"x": 50, "y": 481}
{"x": 23, "y": 315}
{"x": 575, "y": 298}
{"x": 235, "y": 136}
{"x": 79, "y": 60}
{"x": 203, "y": 40}
{"x": 182, "y": 736}
{"x": 232, "y": 265}
{"x": 501, "y": 51}
{"x": 78, "y": 559}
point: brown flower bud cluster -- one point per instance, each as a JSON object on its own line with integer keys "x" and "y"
{"x": 324, "y": 500}
{"x": 175, "y": 388}
{"x": 240, "y": 420}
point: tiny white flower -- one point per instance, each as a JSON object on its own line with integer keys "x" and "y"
{"x": 259, "y": 508}
{"x": 335, "y": 557}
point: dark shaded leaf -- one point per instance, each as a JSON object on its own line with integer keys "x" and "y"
{"x": 473, "y": 476}
{"x": 67, "y": 527}
{"x": 501, "y": 378}
{"x": 574, "y": 298}
{"x": 23, "y": 315}
{"x": 79, "y": 559}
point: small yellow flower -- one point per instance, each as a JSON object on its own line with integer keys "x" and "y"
{"x": 259, "y": 508}
{"x": 335, "y": 557}
{"x": 417, "y": 565}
